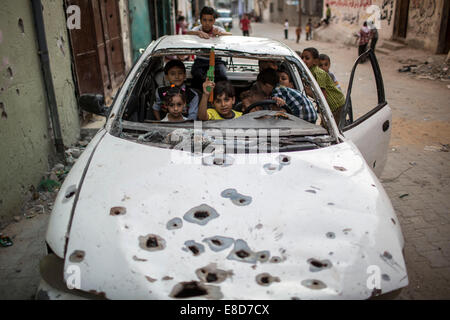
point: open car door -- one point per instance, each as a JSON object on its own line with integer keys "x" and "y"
{"x": 368, "y": 122}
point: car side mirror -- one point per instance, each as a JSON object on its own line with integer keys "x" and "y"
{"x": 93, "y": 103}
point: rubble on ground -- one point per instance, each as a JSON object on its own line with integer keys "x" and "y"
{"x": 432, "y": 68}
{"x": 39, "y": 200}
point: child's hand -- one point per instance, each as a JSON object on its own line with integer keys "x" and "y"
{"x": 280, "y": 102}
{"x": 203, "y": 35}
{"x": 216, "y": 32}
{"x": 207, "y": 84}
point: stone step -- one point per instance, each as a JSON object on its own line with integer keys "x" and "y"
{"x": 382, "y": 50}
{"x": 392, "y": 45}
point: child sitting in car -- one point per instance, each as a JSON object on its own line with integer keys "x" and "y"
{"x": 174, "y": 100}
{"x": 175, "y": 72}
{"x": 224, "y": 99}
{"x": 285, "y": 79}
{"x": 333, "y": 95}
{"x": 256, "y": 94}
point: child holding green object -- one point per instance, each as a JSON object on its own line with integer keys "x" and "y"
{"x": 224, "y": 99}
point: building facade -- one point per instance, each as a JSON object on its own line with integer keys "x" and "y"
{"x": 418, "y": 23}
{"x": 289, "y": 9}
{"x": 51, "y": 52}
{"x": 27, "y": 130}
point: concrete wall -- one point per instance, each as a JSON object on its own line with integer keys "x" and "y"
{"x": 289, "y": 10}
{"x": 61, "y": 65}
{"x": 424, "y": 20}
{"x": 424, "y": 23}
{"x": 347, "y": 18}
{"x": 25, "y": 138}
{"x": 281, "y": 11}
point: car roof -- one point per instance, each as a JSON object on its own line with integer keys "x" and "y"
{"x": 245, "y": 45}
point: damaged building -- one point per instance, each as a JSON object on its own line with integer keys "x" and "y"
{"x": 51, "y": 52}
{"x": 421, "y": 24}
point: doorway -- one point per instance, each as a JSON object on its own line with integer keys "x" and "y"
{"x": 97, "y": 47}
{"x": 444, "y": 35}
{"x": 401, "y": 20}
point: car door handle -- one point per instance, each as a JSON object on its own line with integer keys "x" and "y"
{"x": 386, "y": 126}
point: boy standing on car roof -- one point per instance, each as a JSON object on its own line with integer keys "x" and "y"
{"x": 207, "y": 30}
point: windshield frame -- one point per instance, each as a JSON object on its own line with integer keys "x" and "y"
{"x": 143, "y": 67}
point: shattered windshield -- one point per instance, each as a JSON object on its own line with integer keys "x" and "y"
{"x": 168, "y": 107}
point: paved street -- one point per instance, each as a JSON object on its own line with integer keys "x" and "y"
{"x": 416, "y": 177}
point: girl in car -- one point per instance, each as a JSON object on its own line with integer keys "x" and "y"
{"x": 174, "y": 100}
{"x": 175, "y": 73}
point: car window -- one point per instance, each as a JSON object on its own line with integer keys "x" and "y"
{"x": 224, "y": 14}
{"x": 139, "y": 124}
{"x": 364, "y": 90}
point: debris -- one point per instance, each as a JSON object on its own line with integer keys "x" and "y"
{"x": 5, "y": 241}
{"x": 432, "y": 68}
{"x": 58, "y": 167}
{"x": 17, "y": 218}
{"x": 76, "y": 153}
{"x": 442, "y": 148}
{"x": 70, "y": 160}
{"x": 39, "y": 209}
{"x": 404, "y": 195}
{"x": 407, "y": 68}
{"x": 48, "y": 185}
{"x": 83, "y": 143}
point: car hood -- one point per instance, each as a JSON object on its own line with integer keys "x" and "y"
{"x": 152, "y": 223}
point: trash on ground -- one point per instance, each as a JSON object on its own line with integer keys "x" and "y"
{"x": 5, "y": 241}
{"x": 404, "y": 195}
{"x": 432, "y": 68}
{"x": 48, "y": 185}
{"x": 442, "y": 148}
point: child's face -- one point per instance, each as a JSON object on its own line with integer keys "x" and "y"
{"x": 176, "y": 76}
{"x": 175, "y": 106}
{"x": 308, "y": 59}
{"x": 324, "y": 65}
{"x": 284, "y": 79}
{"x": 207, "y": 21}
{"x": 265, "y": 64}
{"x": 246, "y": 102}
{"x": 224, "y": 104}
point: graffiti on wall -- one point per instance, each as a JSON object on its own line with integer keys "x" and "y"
{"x": 351, "y": 18}
{"x": 350, "y": 3}
{"x": 387, "y": 10}
{"x": 424, "y": 8}
{"x": 421, "y": 14}
{"x": 374, "y": 11}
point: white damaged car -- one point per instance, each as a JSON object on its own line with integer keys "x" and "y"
{"x": 292, "y": 210}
